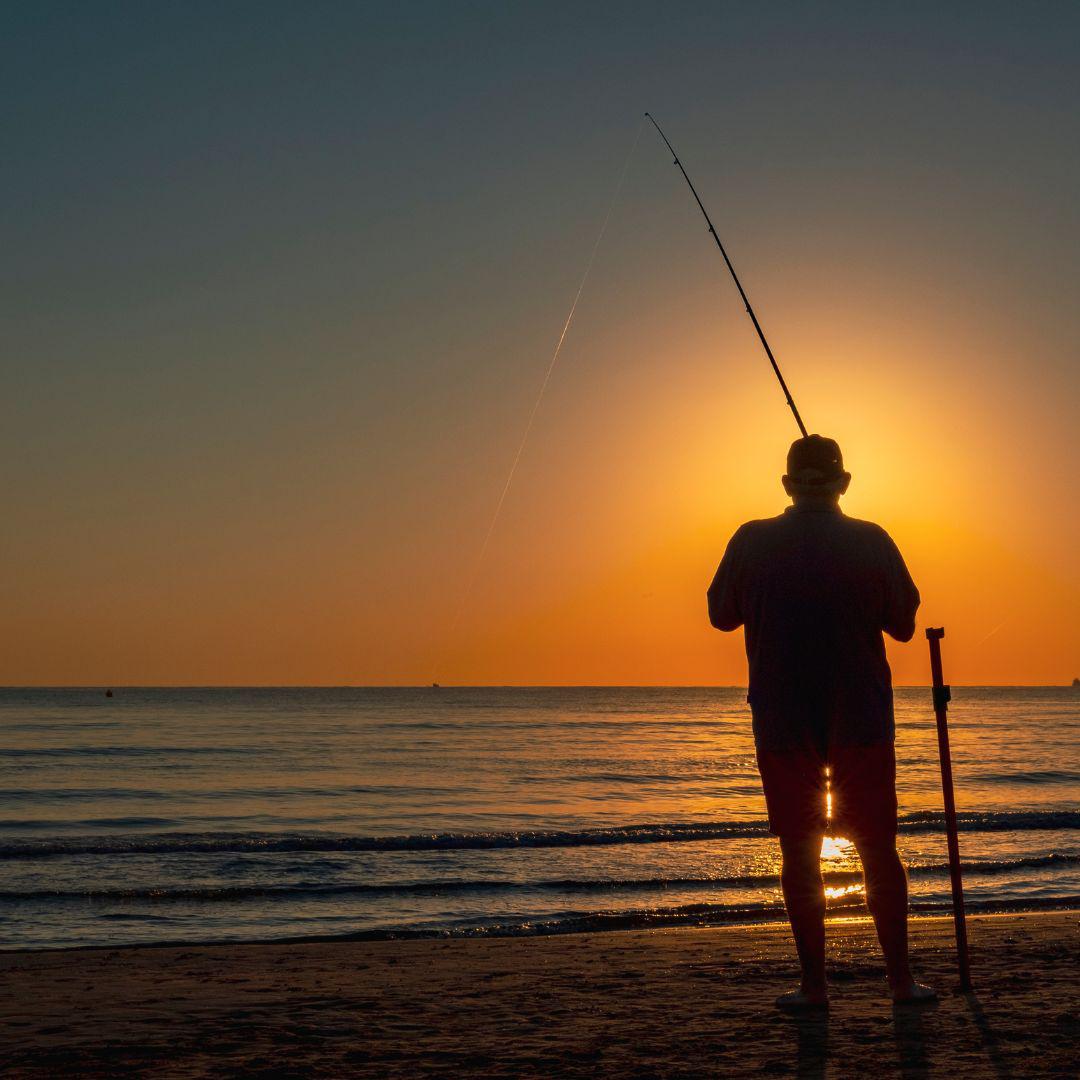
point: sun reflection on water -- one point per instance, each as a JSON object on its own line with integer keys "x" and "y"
{"x": 836, "y": 847}
{"x": 833, "y": 892}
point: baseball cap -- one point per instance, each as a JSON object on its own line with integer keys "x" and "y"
{"x": 815, "y": 460}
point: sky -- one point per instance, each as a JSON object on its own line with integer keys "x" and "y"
{"x": 281, "y": 283}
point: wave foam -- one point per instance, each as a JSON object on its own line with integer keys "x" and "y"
{"x": 663, "y": 833}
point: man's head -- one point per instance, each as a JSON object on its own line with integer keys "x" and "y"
{"x": 815, "y": 470}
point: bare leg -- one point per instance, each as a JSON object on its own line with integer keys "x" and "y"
{"x": 887, "y": 899}
{"x": 804, "y": 897}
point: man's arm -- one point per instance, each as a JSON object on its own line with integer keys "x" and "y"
{"x": 724, "y": 611}
{"x": 901, "y": 596}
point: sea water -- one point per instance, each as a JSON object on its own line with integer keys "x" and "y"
{"x": 252, "y": 814}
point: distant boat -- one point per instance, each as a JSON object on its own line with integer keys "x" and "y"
{"x": 1076, "y": 683}
{"x": 435, "y": 685}
{"x": 108, "y": 693}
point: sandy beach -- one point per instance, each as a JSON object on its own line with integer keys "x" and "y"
{"x": 665, "y": 1003}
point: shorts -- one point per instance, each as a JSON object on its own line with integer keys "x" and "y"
{"x": 860, "y": 779}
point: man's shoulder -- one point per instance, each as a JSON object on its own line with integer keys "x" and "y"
{"x": 873, "y": 541}
{"x": 857, "y": 529}
{"x": 793, "y": 519}
{"x": 758, "y": 525}
{"x": 865, "y": 528}
{"x": 759, "y": 535}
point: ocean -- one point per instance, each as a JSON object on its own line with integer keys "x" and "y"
{"x": 195, "y": 815}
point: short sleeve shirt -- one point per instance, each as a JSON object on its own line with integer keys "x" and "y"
{"x": 814, "y": 589}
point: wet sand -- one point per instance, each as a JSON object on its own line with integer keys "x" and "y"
{"x": 663, "y": 1003}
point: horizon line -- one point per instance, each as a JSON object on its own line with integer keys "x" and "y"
{"x": 480, "y": 686}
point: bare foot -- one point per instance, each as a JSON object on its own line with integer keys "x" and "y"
{"x": 801, "y": 1000}
{"x": 914, "y": 993}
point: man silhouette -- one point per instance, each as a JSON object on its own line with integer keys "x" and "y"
{"x": 814, "y": 590}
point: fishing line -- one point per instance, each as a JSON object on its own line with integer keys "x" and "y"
{"x": 478, "y": 562}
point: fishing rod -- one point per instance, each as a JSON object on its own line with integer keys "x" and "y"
{"x": 738, "y": 283}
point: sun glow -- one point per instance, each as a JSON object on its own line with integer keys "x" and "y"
{"x": 834, "y": 892}
{"x": 835, "y": 847}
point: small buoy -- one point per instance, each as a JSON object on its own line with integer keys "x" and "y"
{"x": 108, "y": 693}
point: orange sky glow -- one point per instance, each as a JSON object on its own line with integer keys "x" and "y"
{"x": 653, "y": 445}
{"x": 264, "y": 394}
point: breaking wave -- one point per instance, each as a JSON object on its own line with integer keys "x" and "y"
{"x": 314, "y": 890}
{"x": 670, "y": 833}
